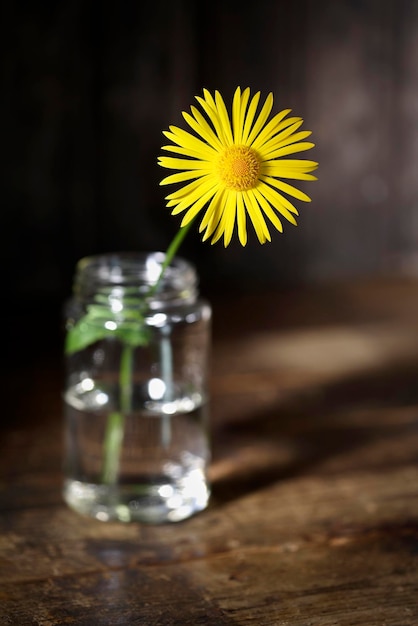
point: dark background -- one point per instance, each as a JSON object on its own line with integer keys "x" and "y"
{"x": 88, "y": 87}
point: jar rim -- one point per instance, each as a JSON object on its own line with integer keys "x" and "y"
{"x": 128, "y": 272}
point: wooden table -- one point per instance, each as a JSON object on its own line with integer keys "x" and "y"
{"x": 314, "y": 514}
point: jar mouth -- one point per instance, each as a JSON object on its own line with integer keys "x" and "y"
{"x": 132, "y": 272}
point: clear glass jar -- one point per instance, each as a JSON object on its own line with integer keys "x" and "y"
{"x": 136, "y": 398}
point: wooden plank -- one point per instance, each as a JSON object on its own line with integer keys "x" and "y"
{"x": 343, "y": 548}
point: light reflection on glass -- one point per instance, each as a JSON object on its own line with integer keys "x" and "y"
{"x": 156, "y": 388}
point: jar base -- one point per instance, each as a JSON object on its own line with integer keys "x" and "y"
{"x": 152, "y": 503}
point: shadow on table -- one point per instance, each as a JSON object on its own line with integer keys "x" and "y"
{"x": 323, "y": 429}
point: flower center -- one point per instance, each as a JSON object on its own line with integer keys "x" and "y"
{"x": 238, "y": 167}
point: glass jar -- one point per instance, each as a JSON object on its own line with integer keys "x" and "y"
{"x": 136, "y": 398}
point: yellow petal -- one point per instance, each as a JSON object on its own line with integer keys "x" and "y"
{"x": 239, "y": 107}
{"x": 197, "y": 206}
{"x": 273, "y": 128}
{"x": 183, "y": 164}
{"x": 201, "y": 186}
{"x": 293, "y": 164}
{"x": 236, "y": 118}
{"x": 290, "y": 174}
{"x": 187, "y": 140}
{"x": 218, "y": 233}
{"x": 181, "y": 177}
{"x": 193, "y": 197}
{"x": 224, "y": 117}
{"x": 202, "y": 128}
{"x": 213, "y": 215}
{"x": 293, "y": 148}
{"x": 289, "y": 189}
{"x": 268, "y": 210}
{"x": 262, "y": 118}
{"x": 274, "y": 144}
{"x": 256, "y": 217}
{"x": 230, "y": 211}
{"x": 249, "y": 118}
{"x": 279, "y": 202}
{"x": 186, "y": 152}
{"x": 241, "y": 220}
{"x": 212, "y": 209}
{"x": 208, "y": 105}
{"x": 224, "y": 224}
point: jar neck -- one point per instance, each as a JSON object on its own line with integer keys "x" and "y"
{"x": 126, "y": 277}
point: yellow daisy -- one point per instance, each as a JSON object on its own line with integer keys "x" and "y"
{"x": 237, "y": 169}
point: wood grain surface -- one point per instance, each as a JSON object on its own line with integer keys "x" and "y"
{"x": 314, "y": 515}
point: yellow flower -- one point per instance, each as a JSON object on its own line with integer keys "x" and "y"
{"x": 237, "y": 169}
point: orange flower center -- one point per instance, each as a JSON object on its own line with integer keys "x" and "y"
{"x": 238, "y": 167}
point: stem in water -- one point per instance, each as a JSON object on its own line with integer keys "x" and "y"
{"x": 116, "y": 421}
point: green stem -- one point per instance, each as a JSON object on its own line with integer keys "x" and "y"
{"x": 112, "y": 447}
{"x": 116, "y": 421}
{"x": 169, "y": 255}
{"x": 125, "y": 378}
